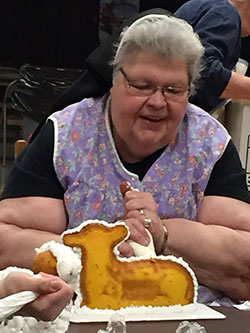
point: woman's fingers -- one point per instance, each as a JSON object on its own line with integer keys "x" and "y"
{"x": 141, "y": 212}
{"x": 125, "y": 187}
{"x": 137, "y": 231}
{"x": 135, "y": 200}
{"x": 125, "y": 250}
{"x": 147, "y": 219}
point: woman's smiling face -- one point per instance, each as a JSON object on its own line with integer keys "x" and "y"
{"x": 143, "y": 124}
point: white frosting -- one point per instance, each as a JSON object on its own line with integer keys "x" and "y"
{"x": 13, "y": 303}
{"x": 8, "y": 270}
{"x": 68, "y": 262}
{"x": 109, "y": 225}
{"x": 20, "y": 324}
{"x": 192, "y": 311}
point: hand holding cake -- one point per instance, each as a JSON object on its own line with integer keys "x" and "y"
{"x": 140, "y": 207}
{"x": 51, "y": 294}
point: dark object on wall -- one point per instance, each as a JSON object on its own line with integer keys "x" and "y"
{"x": 31, "y": 94}
{"x": 39, "y": 87}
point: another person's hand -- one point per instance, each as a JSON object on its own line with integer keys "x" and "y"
{"x": 141, "y": 207}
{"x": 54, "y": 293}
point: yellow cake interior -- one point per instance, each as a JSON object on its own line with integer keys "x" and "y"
{"x": 109, "y": 282}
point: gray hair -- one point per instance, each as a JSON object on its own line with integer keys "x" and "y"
{"x": 170, "y": 37}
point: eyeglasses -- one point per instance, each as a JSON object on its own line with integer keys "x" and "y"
{"x": 147, "y": 89}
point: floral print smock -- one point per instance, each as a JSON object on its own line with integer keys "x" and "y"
{"x": 89, "y": 169}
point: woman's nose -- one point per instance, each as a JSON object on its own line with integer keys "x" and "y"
{"x": 157, "y": 100}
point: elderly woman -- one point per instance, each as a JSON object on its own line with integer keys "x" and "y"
{"x": 178, "y": 158}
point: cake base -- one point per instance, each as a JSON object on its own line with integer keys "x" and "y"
{"x": 192, "y": 311}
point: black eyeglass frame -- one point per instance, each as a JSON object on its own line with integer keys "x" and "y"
{"x": 167, "y": 91}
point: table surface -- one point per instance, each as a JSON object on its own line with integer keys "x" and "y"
{"x": 237, "y": 321}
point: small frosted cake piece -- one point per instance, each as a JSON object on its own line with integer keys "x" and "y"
{"x": 45, "y": 262}
{"x": 110, "y": 282}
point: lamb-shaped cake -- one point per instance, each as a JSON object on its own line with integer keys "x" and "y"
{"x": 110, "y": 282}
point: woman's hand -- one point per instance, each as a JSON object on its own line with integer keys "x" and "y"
{"x": 54, "y": 293}
{"x": 138, "y": 207}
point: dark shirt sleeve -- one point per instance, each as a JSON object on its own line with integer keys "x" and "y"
{"x": 228, "y": 178}
{"x": 213, "y": 30}
{"x": 33, "y": 173}
{"x": 219, "y": 28}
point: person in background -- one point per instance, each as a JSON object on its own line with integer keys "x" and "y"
{"x": 220, "y": 25}
{"x": 191, "y": 189}
{"x": 54, "y": 293}
{"x": 113, "y": 13}
{"x": 96, "y": 79}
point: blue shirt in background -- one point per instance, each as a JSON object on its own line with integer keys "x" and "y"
{"x": 218, "y": 24}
